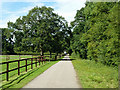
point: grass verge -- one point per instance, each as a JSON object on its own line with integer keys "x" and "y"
{"x": 15, "y": 64}
{"x": 95, "y": 75}
{"x": 24, "y": 78}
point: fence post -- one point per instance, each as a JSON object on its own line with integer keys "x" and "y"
{"x": 39, "y": 61}
{"x": 49, "y": 58}
{"x": 7, "y": 74}
{"x": 31, "y": 63}
{"x": 19, "y": 57}
{"x": 7, "y": 57}
{"x": 26, "y": 65}
{"x": 45, "y": 60}
{"x": 36, "y": 61}
{"x": 18, "y": 67}
{"x": 42, "y": 59}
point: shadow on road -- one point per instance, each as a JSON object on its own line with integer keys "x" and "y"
{"x": 66, "y": 59}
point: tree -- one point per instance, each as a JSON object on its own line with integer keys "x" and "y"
{"x": 78, "y": 24}
{"x": 96, "y": 36}
{"x": 7, "y": 41}
{"x": 40, "y": 31}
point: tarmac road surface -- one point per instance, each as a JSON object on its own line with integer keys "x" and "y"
{"x": 60, "y": 75}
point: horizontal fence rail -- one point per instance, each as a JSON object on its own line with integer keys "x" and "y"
{"x": 39, "y": 59}
{"x": 36, "y": 59}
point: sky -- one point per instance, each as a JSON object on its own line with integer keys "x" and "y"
{"x": 10, "y": 10}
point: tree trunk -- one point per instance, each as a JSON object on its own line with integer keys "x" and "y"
{"x": 50, "y": 55}
{"x": 56, "y": 56}
{"x": 42, "y": 52}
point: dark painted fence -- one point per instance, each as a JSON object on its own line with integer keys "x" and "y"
{"x": 37, "y": 60}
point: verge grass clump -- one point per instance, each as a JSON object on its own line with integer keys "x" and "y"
{"x": 95, "y": 75}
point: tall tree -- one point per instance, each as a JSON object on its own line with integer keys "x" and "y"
{"x": 99, "y": 34}
{"x": 7, "y": 41}
{"x": 78, "y": 24}
{"x": 41, "y": 30}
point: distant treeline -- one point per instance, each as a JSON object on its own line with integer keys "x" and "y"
{"x": 40, "y": 31}
{"x": 96, "y": 32}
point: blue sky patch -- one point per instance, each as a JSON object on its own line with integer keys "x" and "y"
{"x": 10, "y": 11}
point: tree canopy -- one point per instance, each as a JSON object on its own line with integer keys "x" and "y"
{"x": 95, "y": 32}
{"x": 41, "y": 30}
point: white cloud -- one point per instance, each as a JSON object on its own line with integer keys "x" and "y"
{"x": 68, "y": 8}
{"x": 3, "y": 22}
{"x": 14, "y": 15}
{"x": 65, "y": 8}
{"x": 27, "y": 0}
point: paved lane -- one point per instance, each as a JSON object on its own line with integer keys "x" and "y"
{"x": 60, "y": 75}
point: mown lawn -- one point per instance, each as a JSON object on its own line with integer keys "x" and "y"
{"x": 18, "y": 81}
{"x": 13, "y": 57}
{"x": 24, "y": 78}
{"x": 95, "y": 75}
{"x": 15, "y": 65}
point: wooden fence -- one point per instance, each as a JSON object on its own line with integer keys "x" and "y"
{"x": 37, "y": 60}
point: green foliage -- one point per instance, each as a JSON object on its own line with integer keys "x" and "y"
{"x": 41, "y": 30}
{"x": 96, "y": 36}
{"x": 7, "y": 41}
{"x": 77, "y": 45}
{"x": 95, "y": 75}
{"x": 24, "y": 78}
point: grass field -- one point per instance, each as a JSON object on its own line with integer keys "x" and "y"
{"x": 15, "y": 64}
{"x": 95, "y": 75}
{"x": 18, "y": 81}
{"x": 24, "y": 78}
